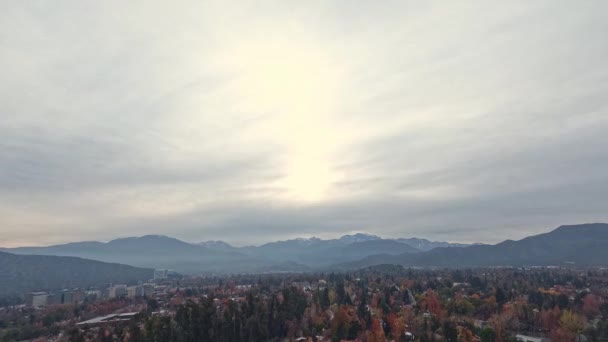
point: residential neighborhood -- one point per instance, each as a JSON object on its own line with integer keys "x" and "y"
{"x": 385, "y": 303}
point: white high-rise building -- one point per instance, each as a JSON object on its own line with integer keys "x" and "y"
{"x": 161, "y": 274}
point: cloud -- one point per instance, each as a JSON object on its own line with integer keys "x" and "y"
{"x": 250, "y": 123}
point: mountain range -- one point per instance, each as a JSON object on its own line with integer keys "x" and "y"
{"x": 581, "y": 245}
{"x": 566, "y": 245}
{"x": 302, "y": 254}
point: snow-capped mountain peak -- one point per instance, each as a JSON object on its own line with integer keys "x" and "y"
{"x": 358, "y": 237}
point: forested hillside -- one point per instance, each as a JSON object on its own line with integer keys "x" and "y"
{"x": 22, "y": 273}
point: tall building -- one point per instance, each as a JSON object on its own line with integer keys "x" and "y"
{"x": 117, "y": 291}
{"x": 68, "y": 297}
{"x": 135, "y": 291}
{"x": 148, "y": 289}
{"x": 35, "y": 299}
{"x": 54, "y": 298}
{"x": 93, "y": 295}
{"x": 161, "y": 274}
{"x": 78, "y": 296}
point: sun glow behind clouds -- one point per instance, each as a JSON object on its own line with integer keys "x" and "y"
{"x": 295, "y": 85}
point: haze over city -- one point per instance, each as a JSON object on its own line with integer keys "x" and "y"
{"x": 462, "y": 122}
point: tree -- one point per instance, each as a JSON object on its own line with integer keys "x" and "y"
{"x": 152, "y": 305}
{"x": 450, "y": 331}
{"x": 465, "y": 335}
{"x": 433, "y": 303}
{"x": 76, "y": 335}
{"x": 396, "y": 325}
{"x": 502, "y": 323}
{"x": 325, "y": 302}
{"x": 188, "y": 319}
{"x": 500, "y": 295}
{"x": 340, "y": 325}
{"x": 562, "y": 301}
{"x": 550, "y": 318}
{"x": 159, "y": 329}
{"x": 604, "y": 309}
{"x": 464, "y": 307}
{"x": 591, "y": 305}
{"x": 207, "y": 319}
{"x": 487, "y": 335}
{"x": 570, "y": 326}
{"x": 355, "y": 328}
{"x": 134, "y": 333}
{"x": 294, "y": 303}
{"x": 362, "y": 310}
{"x": 376, "y": 333}
{"x": 340, "y": 293}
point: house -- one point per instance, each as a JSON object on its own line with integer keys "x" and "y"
{"x": 408, "y": 336}
{"x": 480, "y": 323}
{"x": 109, "y": 319}
{"x": 460, "y": 286}
{"x": 409, "y": 298}
{"x": 524, "y": 338}
{"x": 302, "y": 285}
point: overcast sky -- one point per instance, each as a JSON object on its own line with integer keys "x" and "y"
{"x": 257, "y": 121}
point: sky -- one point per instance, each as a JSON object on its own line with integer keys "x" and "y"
{"x": 254, "y": 121}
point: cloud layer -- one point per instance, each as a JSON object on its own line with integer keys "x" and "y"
{"x": 252, "y": 122}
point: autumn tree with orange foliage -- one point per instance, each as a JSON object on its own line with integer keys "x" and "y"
{"x": 549, "y": 319}
{"x": 465, "y": 335}
{"x": 570, "y": 326}
{"x": 502, "y": 323}
{"x": 432, "y": 303}
{"x": 591, "y": 305}
{"x": 340, "y": 324}
{"x": 396, "y": 325}
{"x": 376, "y": 333}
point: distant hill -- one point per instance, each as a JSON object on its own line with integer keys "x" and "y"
{"x": 153, "y": 251}
{"x": 158, "y": 251}
{"x": 23, "y": 273}
{"x": 218, "y": 245}
{"x": 583, "y": 245}
{"x": 60, "y": 266}
{"x": 426, "y": 245}
{"x": 316, "y": 253}
{"x": 371, "y": 247}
